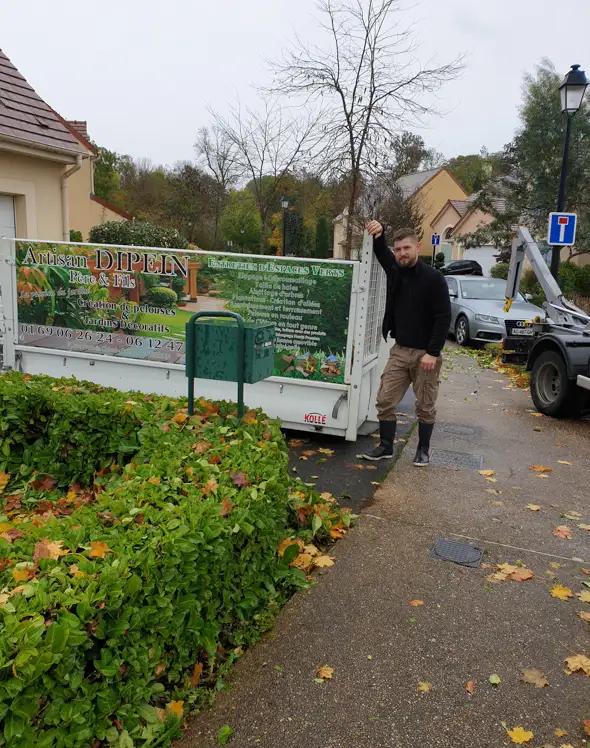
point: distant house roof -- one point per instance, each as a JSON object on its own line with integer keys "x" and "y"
{"x": 24, "y": 116}
{"x": 461, "y": 206}
{"x": 411, "y": 183}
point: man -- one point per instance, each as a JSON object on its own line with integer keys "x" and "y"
{"x": 417, "y": 315}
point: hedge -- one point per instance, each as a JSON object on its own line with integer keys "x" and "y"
{"x": 162, "y": 297}
{"x": 130, "y": 583}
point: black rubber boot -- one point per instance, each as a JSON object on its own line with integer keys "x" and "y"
{"x": 385, "y": 449}
{"x": 422, "y": 457}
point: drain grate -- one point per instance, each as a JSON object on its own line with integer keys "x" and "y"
{"x": 457, "y": 552}
{"x": 451, "y": 428}
{"x": 460, "y": 460}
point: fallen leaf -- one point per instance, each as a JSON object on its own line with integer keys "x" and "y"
{"x": 375, "y": 483}
{"x": 240, "y": 480}
{"x": 303, "y": 561}
{"x": 522, "y": 575}
{"x": 584, "y": 616}
{"x": 180, "y": 418}
{"x": 4, "y": 478}
{"x": 176, "y": 708}
{"x": 554, "y": 565}
{"x": 470, "y": 686}
{"x": 495, "y": 680}
{"x": 578, "y": 662}
{"x": 75, "y": 571}
{"x": 99, "y": 549}
{"x": 487, "y": 473}
{"x": 424, "y": 686}
{"x": 572, "y": 515}
{"x": 492, "y": 480}
{"x": 542, "y": 476}
{"x": 540, "y": 469}
{"x": 585, "y": 571}
{"x": 563, "y": 531}
{"x": 309, "y": 452}
{"x": 564, "y": 462}
{"x": 325, "y": 672}
{"x": 533, "y": 507}
{"x": 327, "y": 497}
{"x": 586, "y": 725}
{"x": 494, "y": 491}
{"x": 584, "y": 596}
{"x": 200, "y": 448}
{"x": 294, "y": 443}
{"x": 226, "y": 507}
{"x": 209, "y": 487}
{"x": 519, "y": 735}
{"x": 303, "y": 458}
{"x": 48, "y": 549}
{"x": 323, "y": 561}
{"x": 561, "y": 592}
{"x": 534, "y": 677}
{"x": 311, "y": 549}
{"x": 497, "y": 503}
{"x": 584, "y": 527}
{"x": 196, "y": 676}
{"x": 328, "y": 452}
{"x": 559, "y": 733}
{"x": 23, "y": 575}
{"x": 416, "y": 603}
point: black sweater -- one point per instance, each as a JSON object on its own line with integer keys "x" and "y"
{"x": 418, "y": 309}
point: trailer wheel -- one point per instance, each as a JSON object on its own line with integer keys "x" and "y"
{"x": 553, "y": 392}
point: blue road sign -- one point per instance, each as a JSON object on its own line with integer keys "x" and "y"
{"x": 562, "y": 229}
{"x": 435, "y": 240}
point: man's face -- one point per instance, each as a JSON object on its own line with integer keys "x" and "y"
{"x": 406, "y": 251}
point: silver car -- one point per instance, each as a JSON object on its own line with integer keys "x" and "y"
{"x": 477, "y": 313}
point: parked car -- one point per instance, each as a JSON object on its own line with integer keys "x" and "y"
{"x": 462, "y": 267}
{"x": 477, "y": 310}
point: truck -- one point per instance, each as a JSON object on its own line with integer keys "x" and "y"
{"x": 556, "y": 348}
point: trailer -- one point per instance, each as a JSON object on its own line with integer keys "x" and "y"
{"x": 115, "y": 315}
{"x": 556, "y": 349}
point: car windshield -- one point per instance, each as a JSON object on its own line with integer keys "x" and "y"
{"x": 491, "y": 290}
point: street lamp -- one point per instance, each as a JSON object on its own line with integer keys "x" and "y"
{"x": 572, "y": 91}
{"x": 285, "y": 205}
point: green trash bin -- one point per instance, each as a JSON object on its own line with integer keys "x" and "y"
{"x": 222, "y": 347}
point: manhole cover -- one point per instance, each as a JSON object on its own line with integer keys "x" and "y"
{"x": 461, "y": 460}
{"x": 450, "y": 428}
{"x": 457, "y": 552}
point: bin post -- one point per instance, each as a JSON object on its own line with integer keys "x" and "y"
{"x": 190, "y": 353}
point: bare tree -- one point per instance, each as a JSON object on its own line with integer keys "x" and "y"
{"x": 218, "y": 154}
{"x": 368, "y": 82}
{"x": 268, "y": 144}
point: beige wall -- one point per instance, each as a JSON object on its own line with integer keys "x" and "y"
{"x": 472, "y": 222}
{"x": 430, "y": 201}
{"x": 36, "y": 186}
{"x": 85, "y": 212}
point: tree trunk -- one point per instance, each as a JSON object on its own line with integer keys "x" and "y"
{"x": 350, "y": 221}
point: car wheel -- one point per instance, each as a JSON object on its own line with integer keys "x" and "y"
{"x": 462, "y": 331}
{"x": 552, "y": 391}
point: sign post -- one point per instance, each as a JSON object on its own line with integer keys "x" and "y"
{"x": 561, "y": 233}
{"x": 435, "y": 241}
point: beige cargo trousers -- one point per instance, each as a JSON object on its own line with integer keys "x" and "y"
{"x": 402, "y": 370}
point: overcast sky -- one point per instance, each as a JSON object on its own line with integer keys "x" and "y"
{"x": 143, "y": 72}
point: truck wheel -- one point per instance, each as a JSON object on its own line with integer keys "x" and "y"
{"x": 553, "y": 392}
{"x": 462, "y": 331}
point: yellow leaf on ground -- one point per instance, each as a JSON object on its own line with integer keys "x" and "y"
{"x": 554, "y": 565}
{"x": 494, "y": 491}
{"x": 424, "y": 686}
{"x": 533, "y": 507}
{"x": 326, "y": 496}
{"x": 154, "y": 480}
{"x": 508, "y": 568}
{"x": 563, "y": 531}
{"x": 587, "y": 726}
{"x": 303, "y": 561}
{"x": 323, "y": 561}
{"x": 209, "y": 487}
{"x": 522, "y": 575}
{"x": 180, "y": 418}
{"x": 325, "y": 672}
{"x": 492, "y": 480}
{"x": 49, "y": 549}
{"x": 4, "y": 478}
{"x": 311, "y": 549}
{"x": 487, "y": 473}
{"x": 23, "y": 575}
{"x": 176, "y": 708}
{"x": 584, "y": 596}
{"x": 584, "y": 616}
{"x": 540, "y": 469}
{"x": 560, "y": 733}
{"x": 99, "y": 549}
{"x": 564, "y": 462}
{"x": 578, "y": 662}
{"x": 75, "y": 571}
{"x": 294, "y": 443}
{"x": 328, "y": 452}
{"x": 519, "y": 735}
{"x": 470, "y": 686}
{"x": 196, "y": 676}
{"x": 585, "y": 571}
{"x": 4, "y": 526}
{"x": 584, "y": 527}
{"x": 535, "y": 677}
{"x": 561, "y": 592}
{"x": 416, "y": 603}
{"x": 284, "y": 544}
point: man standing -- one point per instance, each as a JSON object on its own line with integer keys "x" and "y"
{"x": 417, "y": 315}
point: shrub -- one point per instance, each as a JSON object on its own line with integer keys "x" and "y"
{"x": 123, "y": 603}
{"x": 178, "y": 286}
{"x": 500, "y": 270}
{"x": 138, "y": 233}
{"x": 76, "y": 236}
{"x": 162, "y": 297}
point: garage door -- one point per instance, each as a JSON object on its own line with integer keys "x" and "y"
{"x": 7, "y": 222}
{"x": 484, "y": 255}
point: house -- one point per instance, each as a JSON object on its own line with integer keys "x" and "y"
{"x": 456, "y": 219}
{"x": 45, "y": 166}
{"x": 429, "y": 190}
{"x": 86, "y": 208}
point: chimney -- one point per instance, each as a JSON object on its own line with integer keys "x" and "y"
{"x": 81, "y": 126}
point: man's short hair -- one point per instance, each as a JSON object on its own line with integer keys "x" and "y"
{"x": 405, "y": 234}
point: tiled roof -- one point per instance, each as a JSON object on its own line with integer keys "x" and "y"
{"x": 411, "y": 183}
{"x": 461, "y": 206}
{"x": 26, "y": 117}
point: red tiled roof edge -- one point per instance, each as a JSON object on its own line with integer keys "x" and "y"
{"x": 110, "y": 206}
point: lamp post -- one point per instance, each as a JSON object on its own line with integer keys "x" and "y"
{"x": 572, "y": 91}
{"x": 285, "y": 205}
